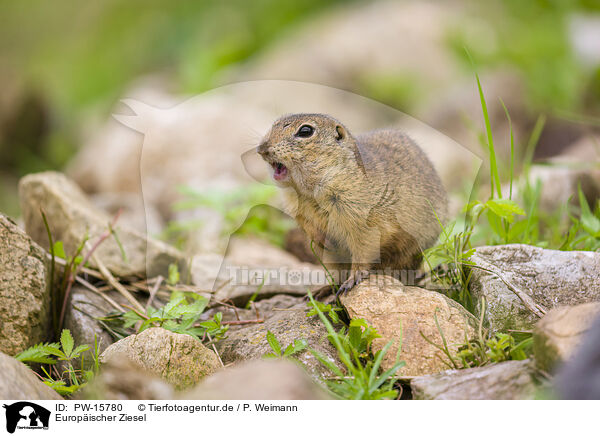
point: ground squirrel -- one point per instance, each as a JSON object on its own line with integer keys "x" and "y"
{"x": 369, "y": 201}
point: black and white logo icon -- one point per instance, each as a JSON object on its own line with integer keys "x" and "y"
{"x": 26, "y": 415}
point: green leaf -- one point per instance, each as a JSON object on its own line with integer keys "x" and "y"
{"x": 504, "y": 208}
{"x": 289, "y": 350}
{"x": 495, "y": 223}
{"x": 274, "y": 343}
{"x": 59, "y": 250}
{"x": 516, "y": 231}
{"x": 40, "y": 353}
{"x": 355, "y": 336}
{"x": 169, "y": 310}
{"x": 67, "y": 342}
{"x": 300, "y": 345}
{"x": 80, "y": 349}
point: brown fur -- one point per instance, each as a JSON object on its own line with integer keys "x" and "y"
{"x": 369, "y": 200}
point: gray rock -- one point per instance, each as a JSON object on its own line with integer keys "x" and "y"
{"x": 251, "y": 342}
{"x": 512, "y": 380}
{"x": 71, "y": 216}
{"x": 18, "y": 382}
{"x": 546, "y": 279}
{"x": 179, "y": 359}
{"x": 562, "y": 175}
{"x": 240, "y": 275}
{"x": 558, "y": 334}
{"x": 135, "y": 214}
{"x": 121, "y": 379}
{"x": 267, "y": 309}
{"x": 83, "y": 306}
{"x": 579, "y": 378}
{"x": 401, "y": 312}
{"x": 258, "y": 380}
{"x": 24, "y": 290}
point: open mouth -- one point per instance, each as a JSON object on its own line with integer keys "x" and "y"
{"x": 280, "y": 171}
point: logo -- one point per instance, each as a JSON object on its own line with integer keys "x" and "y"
{"x": 26, "y": 415}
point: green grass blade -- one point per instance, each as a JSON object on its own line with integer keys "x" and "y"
{"x": 494, "y": 177}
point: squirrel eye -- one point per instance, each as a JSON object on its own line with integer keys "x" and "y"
{"x": 305, "y": 131}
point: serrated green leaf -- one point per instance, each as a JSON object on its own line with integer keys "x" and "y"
{"x": 504, "y": 208}
{"x": 169, "y": 310}
{"x": 67, "y": 342}
{"x": 40, "y": 353}
{"x": 289, "y": 350}
{"x": 300, "y": 345}
{"x": 274, "y": 343}
{"x": 355, "y": 336}
{"x": 80, "y": 349}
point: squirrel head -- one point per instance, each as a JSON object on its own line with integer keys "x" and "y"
{"x": 306, "y": 150}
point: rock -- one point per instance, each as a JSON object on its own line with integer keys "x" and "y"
{"x": 404, "y": 312}
{"x": 240, "y": 275}
{"x": 179, "y": 359}
{"x": 18, "y": 382}
{"x": 71, "y": 216}
{"x": 251, "y": 342}
{"x": 558, "y": 334}
{"x": 24, "y": 290}
{"x": 82, "y": 325}
{"x": 267, "y": 309}
{"x": 559, "y": 185}
{"x": 144, "y": 218}
{"x": 271, "y": 306}
{"x": 258, "y": 380}
{"x": 561, "y": 176}
{"x": 579, "y": 378}
{"x": 124, "y": 380}
{"x": 549, "y": 278}
{"x": 511, "y": 380}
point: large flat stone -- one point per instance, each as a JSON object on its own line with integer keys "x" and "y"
{"x": 403, "y": 313}
{"x": 549, "y": 278}
{"x": 512, "y": 380}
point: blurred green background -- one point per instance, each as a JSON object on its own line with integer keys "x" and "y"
{"x": 63, "y": 63}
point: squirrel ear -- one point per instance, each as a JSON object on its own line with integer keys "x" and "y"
{"x": 341, "y": 133}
